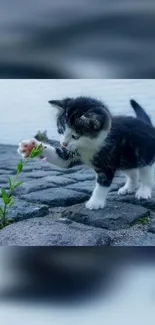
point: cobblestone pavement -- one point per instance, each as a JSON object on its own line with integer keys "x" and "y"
{"x": 50, "y": 208}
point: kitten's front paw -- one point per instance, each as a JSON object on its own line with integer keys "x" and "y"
{"x": 143, "y": 193}
{"x": 26, "y": 146}
{"x": 95, "y": 204}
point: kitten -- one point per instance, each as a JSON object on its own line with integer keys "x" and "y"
{"x": 89, "y": 134}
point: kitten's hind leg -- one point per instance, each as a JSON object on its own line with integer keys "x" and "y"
{"x": 146, "y": 182}
{"x": 131, "y": 182}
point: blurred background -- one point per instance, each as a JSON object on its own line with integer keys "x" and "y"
{"x": 77, "y": 39}
{"x": 24, "y": 108}
{"x": 66, "y": 286}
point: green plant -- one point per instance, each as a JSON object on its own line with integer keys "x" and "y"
{"x": 7, "y": 197}
{"x": 141, "y": 221}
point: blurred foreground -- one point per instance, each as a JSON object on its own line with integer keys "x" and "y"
{"x": 77, "y": 286}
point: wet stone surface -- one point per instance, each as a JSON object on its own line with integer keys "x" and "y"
{"x": 50, "y": 208}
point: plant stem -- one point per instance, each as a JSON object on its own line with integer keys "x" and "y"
{"x": 10, "y": 191}
{"x": 13, "y": 185}
{"x": 4, "y": 214}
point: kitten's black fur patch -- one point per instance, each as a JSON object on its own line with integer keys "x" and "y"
{"x": 129, "y": 144}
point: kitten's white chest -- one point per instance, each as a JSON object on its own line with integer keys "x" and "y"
{"x": 87, "y": 156}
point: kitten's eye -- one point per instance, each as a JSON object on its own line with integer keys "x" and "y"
{"x": 75, "y": 137}
{"x": 60, "y": 131}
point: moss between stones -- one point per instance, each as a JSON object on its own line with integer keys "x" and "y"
{"x": 7, "y": 223}
{"x": 141, "y": 221}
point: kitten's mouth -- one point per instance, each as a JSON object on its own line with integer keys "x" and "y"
{"x": 68, "y": 147}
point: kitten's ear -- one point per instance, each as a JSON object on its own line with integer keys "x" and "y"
{"x": 96, "y": 121}
{"x": 92, "y": 121}
{"x": 59, "y": 104}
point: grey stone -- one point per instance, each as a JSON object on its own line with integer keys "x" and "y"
{"x": 31, "y": 167}
{"x": 22, "y": 210}
{"x": 49, "y": 167}
{"x": 114, "y": 187}
{"x": 4, "y": 179}
{"x": 21, "y": 177}
{"x": 77, "y": 168}
{"x": 84, "y": 187}
{"x": 49, "y": 231}
{"x": 133, "y": 237}
{"x": 149, "y": 204}
{"x": 56, "y": 197}
{"x": 40, "y": 173}
{"x": 42, "y": 184}
{"x": 32, "y": 186}
{"x": 114, "y": 216}
{"x": 59, "y": 180}
{"x": 68, "y": 171}
{"x": 6, "y": 172}
{"x": 152, "y": 227}
{"x": 34, "y": 165}
{"x": 82, "y": 175}
{"x": 6, "y": 186}
{"x": 9, "y": 162}
{"x": 9, "y": 166}
{"x": 87, "y": 186}
{"x": 117, "y": 183}
{"x": 62, "y": 192}
{"x": 61, "y": 171}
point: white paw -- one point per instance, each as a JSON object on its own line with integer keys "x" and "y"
{"x": 143, "y": 193}
{"x": 125, "y": 190}
{"x": 25, "y": 147}
{"x": 95, "y": 204}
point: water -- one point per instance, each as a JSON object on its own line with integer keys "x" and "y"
{"x": 24, "y": 107}
{"x": 130, "y": 298}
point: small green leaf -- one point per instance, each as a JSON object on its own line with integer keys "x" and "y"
{"x": 36, "y": 151}
{"x": 12, "y": 197}
{"x": 40, "y": 147}
{"x": 11, "y": 204}
{"x": 33, "y": 153}
{"x": 1, "y": 211}
{"x": 9, "y": 200}
{"x": 5, "y": 197}
{"x": 18, "y": 184}
{"x": 10, "y": 182}
{"x": 20, "y": 167}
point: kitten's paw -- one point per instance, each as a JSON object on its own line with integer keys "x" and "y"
{"x": 93, "y": 204}
{"x": 124, "y": 190}
{"x": 26, "y": 146}
{"x": 143, "y": 193}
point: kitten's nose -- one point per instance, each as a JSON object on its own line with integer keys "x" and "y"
{"x": 64, "y": 144}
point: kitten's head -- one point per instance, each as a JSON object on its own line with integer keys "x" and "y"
{"x": 82, "y": 122}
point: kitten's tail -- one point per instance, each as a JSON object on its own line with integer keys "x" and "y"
{"x": 140, "y": 112}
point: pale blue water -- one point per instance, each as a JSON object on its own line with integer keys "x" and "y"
{"x": 24, "y": 107}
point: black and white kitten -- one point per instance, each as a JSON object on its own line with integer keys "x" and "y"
{"x": 89, "y": 134}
